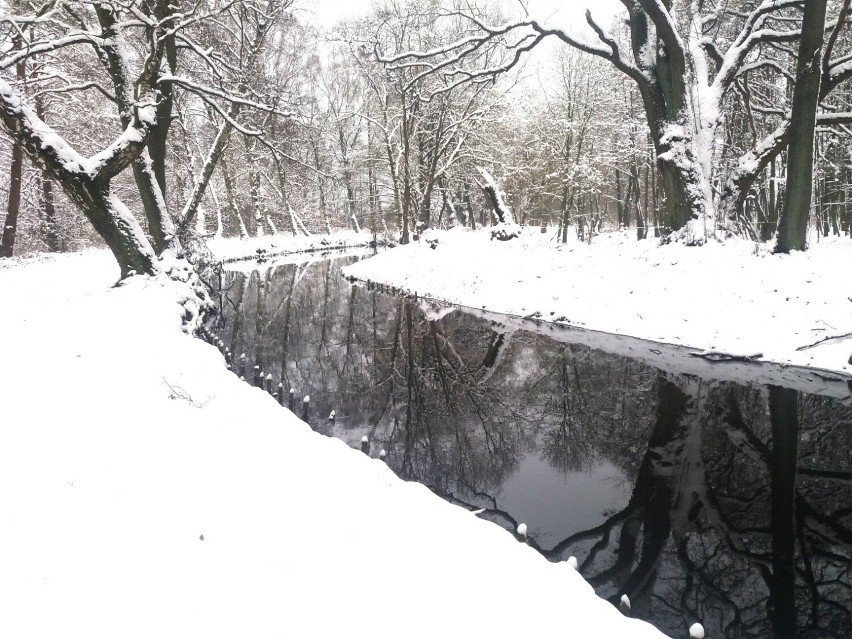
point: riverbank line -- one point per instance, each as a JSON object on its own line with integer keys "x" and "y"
{"x": 235, "y": 249}
{"x": 734, "y": 301}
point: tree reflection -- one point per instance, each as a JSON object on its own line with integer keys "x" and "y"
{"x": 738, "y": 512}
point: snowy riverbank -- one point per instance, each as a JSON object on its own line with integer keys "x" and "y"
{"x": 231, "y": 249}
{"x": 149, "y": 493}
{"x": 735, "y": 298}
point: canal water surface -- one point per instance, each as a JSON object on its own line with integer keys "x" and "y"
{"x": 728, "y": 502}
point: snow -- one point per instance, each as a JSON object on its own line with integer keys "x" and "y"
{"x": 696, "y": 631}
{"x": 234, "y": 249}
{"x": 150, "y": 493}
{"x": 733, "y": 297}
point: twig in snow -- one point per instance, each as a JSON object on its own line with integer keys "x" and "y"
{"x": 824, "y": 339}
{"x": 176, "y": 392}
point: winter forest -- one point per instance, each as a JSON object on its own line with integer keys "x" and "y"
{"x": 426, "y": 318}
{"x": 666, "y": 119}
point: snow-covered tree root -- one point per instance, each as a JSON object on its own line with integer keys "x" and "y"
{"x": 191, "y": 292}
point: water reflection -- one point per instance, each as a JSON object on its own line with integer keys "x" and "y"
{"x": 709, "y": 501}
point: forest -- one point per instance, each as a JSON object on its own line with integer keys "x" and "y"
{"x": 514, "y": 318}
{"x": 148, "y": 125}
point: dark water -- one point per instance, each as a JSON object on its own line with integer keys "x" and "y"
{"x": 728, "y": 503}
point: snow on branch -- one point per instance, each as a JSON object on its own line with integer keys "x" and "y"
{"x": 13, "y": 57}
{"x": 52, "y": 151}
{"x": 449, "y": 60}
{"x": 614, "y": 53}
{"x": 833, "y": 119}
{"x": 450, "y": 56}
{"x": 753, "y": 33}
{"x": 69, "y": 87}
{"x": 757, "y": 18}
{"x": 765, "y": 64}
{"x": 838, "y": 72}
{"x": 45, "y": 14}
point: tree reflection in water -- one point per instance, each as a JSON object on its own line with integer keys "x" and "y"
{"x": 738, "y": 510}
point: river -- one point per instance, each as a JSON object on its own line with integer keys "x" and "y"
{"x": 724, "y": 498}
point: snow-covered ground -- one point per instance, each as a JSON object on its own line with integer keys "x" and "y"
{"x": 234, "y": 248}
{"x": 735, "y": 297}
{"x": 146, "y": 492}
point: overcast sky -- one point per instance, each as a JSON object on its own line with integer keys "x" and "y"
{"x": 538, "y": 69}
{"x": 554, "y": 12}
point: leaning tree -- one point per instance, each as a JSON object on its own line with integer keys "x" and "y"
{"x": 137, "y": 55}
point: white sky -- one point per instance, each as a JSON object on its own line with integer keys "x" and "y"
{"x": 538, "y": 65}
{"x": 553, "y": 12}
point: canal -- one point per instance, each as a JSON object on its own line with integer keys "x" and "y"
{"x": 724, "y": 498}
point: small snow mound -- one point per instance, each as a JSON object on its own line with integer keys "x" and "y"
{"x": 696, "y": 631}
{"x": 505, "y": 231}
{"x": 625, "y": 601}
{"x": 383, "y": 453}
{"x": 572, "y": 561}
{"x": 522, "y": 530}
{"x": 307, "y": 399}
{"x": 365, "y": 439}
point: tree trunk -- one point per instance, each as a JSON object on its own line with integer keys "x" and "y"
{"x": 51, "y": 235}
{"x": 254, "y": 187}
{"x": 406, "y": 173}
{"x": 469, "y": 206}
{"x": 10, "y": 227}
{"x": 563, "y": 218}
{"x": 772, "y": 206}
{"x": 687, "y": 207}
{"x": 347, "y": 180}
{"x": 16, "y": 170}
{"x": 321, "y": 186}
{"x": 160, "y": 224}
{"x": 158, "y": 137}
{"x": 793, "y": 223}
{"x": 116, "y": 225}
{"x": 230, "y": 191}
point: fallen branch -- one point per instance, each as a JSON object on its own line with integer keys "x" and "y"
{"x": 720, "y": 356}
{"x": 824, "y": 339}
